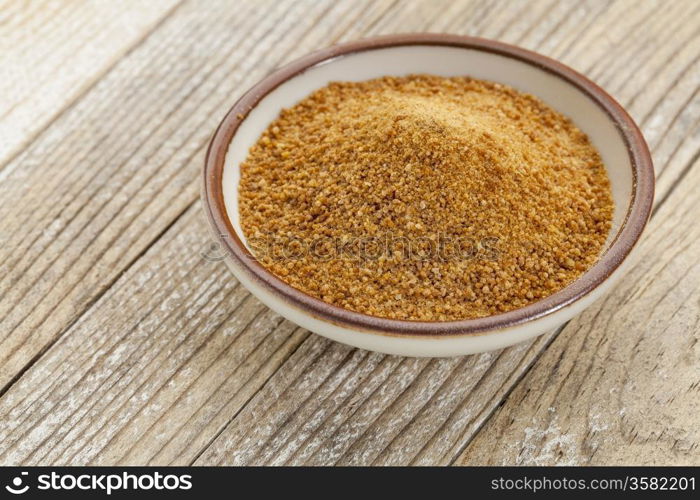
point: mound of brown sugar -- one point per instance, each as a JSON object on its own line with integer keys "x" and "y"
{"x": 425, "y": 198}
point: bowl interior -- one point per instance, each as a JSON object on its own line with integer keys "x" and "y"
{"x": 559, "y": 93}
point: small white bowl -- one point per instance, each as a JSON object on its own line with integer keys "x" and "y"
{"x": 609, "y": 127}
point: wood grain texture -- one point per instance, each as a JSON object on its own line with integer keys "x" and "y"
{"x": 120, "y": 343}
{"x": 141, "y": 132}
{"x": 621, "y": 383}
{"x": 52, "y": 51}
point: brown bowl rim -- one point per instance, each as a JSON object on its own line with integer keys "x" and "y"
{"x": 632, "y": 227}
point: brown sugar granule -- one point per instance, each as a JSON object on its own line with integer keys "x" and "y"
{"x": 425, "y": 198}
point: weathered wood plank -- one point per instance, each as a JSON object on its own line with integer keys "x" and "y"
{"x": 620, "y": 384}
{"x": 142, "y": 131}
{"x": 51, "y": 52}
{"x": 250, "y": 60}
{"x": 174, "y": 363}
{"x": 190, "y": 331}
{"x": 409, "y": 414}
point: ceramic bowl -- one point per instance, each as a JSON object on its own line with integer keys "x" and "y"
{"x": 609, "y": 127}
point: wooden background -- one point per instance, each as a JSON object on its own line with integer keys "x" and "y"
{"x": 121, "y": 344}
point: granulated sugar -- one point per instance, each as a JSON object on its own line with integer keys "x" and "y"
{"x": 425, "y": 198}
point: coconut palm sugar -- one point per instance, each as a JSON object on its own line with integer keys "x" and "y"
{"x": 425, "y": 198}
